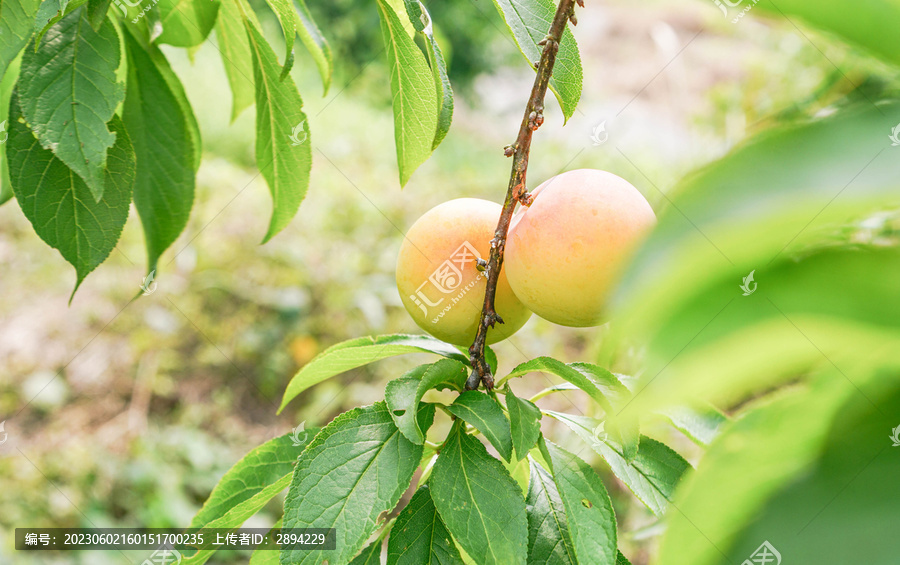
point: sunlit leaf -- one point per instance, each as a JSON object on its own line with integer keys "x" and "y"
{"x": 484, "y": 413}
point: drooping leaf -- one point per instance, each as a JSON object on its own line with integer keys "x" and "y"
{"x": 355, "y": 469}
{"x": 484, "y": 413}
{"x": 548, "y": 529}
{"x": 415, "y": 100}
{"x": 589, "y": 511}
{"x": 68, "y": 92}
{"x": 315, "y": 43}
{"x": 16, "y": 28}
{"x": 164, "y": 187}
{"x": 578, "y": 376}
{"x": 236, "y": 56}
{"x": 185, "y": 23}
{"x": 59, "y": 204}
{"x": 283, "y": 152}
{"x": 96, "y": 11}
{"x": 479, "y": 502}
{"x": 7, "y": 82}
{"x": 529, "y": 21}
{"x": 362, "y": 351}
{"x": 404, "y": 394}
{"x": 438, "y": 68}
{"x": 525, "y": 423}
{"x": 371, "y": 555}
{"x": 419, "y": 536}
{"x": 284, "y": 11}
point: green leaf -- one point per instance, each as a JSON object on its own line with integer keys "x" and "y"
{"x": 267, "y": 556}
{"x": 315, "y": 43}
{"x": 525, "y": 423}
{"x": 591, "y": 520}
{"x": 59, "y": 204}
{"x": 362, "y": 351}
{"x": 16, "y": 28}
{"x": 484, "y": 413}
{"x": 96, "y": 12}
{"x": 529, "y": 21}
{"x": 700, "y": 425}
{"x": 579, "y": 374}
{"x": 284, "y": 11}
{"x": 419, "y": 536}
{"x": 7, "y": 82}
{"x": 415, "y": 100}
{"x": 164, "y": 187}
{"x": 354, "y": 470}
{"x": 438, "y": 72}
{"x": 479, "y": 502}
{"x": 185, "y": 23}
{"x": 620, "y": 560}
{"x": 282, "y": 135}
{"x": 652, "y": 475}
{"x": 404, "y": 394}
{"x": 68, "y": 93}
{"x": 51, "y": 12}
{"x": 236, "y": 56}
{"x": 549, "y": 541}
{"x": 371, "y": 555}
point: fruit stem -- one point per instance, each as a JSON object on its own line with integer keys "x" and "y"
{"x": 516, "y": 192}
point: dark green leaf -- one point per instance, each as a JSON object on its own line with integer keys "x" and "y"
{"x": 479, "y": 502}
{"x": 371, "y": 555}
{"x": 236, "y": 56}
{"x": 97, "y": 10}
{"x": 59, "y": 204}
{"x": 354, "y": 470}
{"x": 548, "y": 529}
{"x": 529, "y": 21}
{"x": 438, "y": 72}
{"x": 284, "y": 11}
{"x": 484, "y": 413}
{"x": 525, "y": 423}
{"x": 419, "y": 537}
{"x": 622, "y": 560}
{"x": 51, "y": 12}
{"x": 415, "y": 100}
{"x": 68, "y": 93}
{"x": 16, "y": 28}
{"x": 362, "y": 351}
{"x": 282, "y": 135}
{"x": 6, "y": 89}
{"x": 591, "y": 520}
{"x": 186, "y": 23}
{"x": 164, "y": 187}
{"x": 404, "y": 394}
{"x": 315, "y": 43}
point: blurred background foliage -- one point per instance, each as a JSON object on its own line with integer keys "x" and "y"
{"x": 126, "y": 413}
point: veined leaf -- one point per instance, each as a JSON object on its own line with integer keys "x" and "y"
{"x": 479, "y": 502}
{"x": 421, "y": 21}
{"x": 362, "y": 351}
{"x": 284, "y": 11}
{"x": 68, "y": 92}
{"x": 59, "y": 204}
{"x": 236, "y": 55}
{"x": 51, "y": 12}
{"x": 549, "y": 542}
{"x": 185, "y": 23}
{"x": 529, "y": 21}
{"x": 525, "y": 423}
{"x": 404, "y": 394}
{"x": 415, "y": 100}
{"x": 315, "y": 43}
{"x": 419, "y": 536}
{"x": 7, "y": 82}
{"x": 591, "y": 520}
{"x": 16, "y": 28}
{"x": 484, "y": 413}
{"x": 371, "y": 555}
{"x": 577, "y": 375}
{"x": 282, "y": 135}
{"x": 164, "y": 187}
{"x": 96, "y": 11}
{"x": 356, "y": 468}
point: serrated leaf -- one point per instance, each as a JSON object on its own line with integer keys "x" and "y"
{"x": 59, "y": 204}
{"x": 355, "y": 469}
{"x": 96, "y": 11}
{"x": 578, "y": 375}
{"x": 284, "y": 11}
{"x": 371, "y": 555}
{"x": 403, "y": 395}
{"x": 700, "y": 425}
{"x": 362, "y": 351}
{"x": 68, "y": 93}
{"x": 652, "y": 475}
{"x": 51, "y": 12}
{"x": 529, "y": 21}
{"x": 185, "y": 23}
{"x": 622, "y": 560}
{"x": 479, "y": 502}
{"x": 236, "y": 56}
{"x": 415, "y": 102}
{"x": 485, "y": 415}
{"x": 591, "y": 519}
{"x": 164, "y": 187}
{"x": 315, "y": 43}
{"x": 549, "y": 542}
{"x": 525, "y": 423}
{"x": 283, "y": 152}
{"x": 438, "y": 68}
{"x": 16, "y": 28}
{"x": 419, "y": 536}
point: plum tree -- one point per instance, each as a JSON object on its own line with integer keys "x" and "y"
{"x": 438, "y": 276}
{"x": 566, "y": 250}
